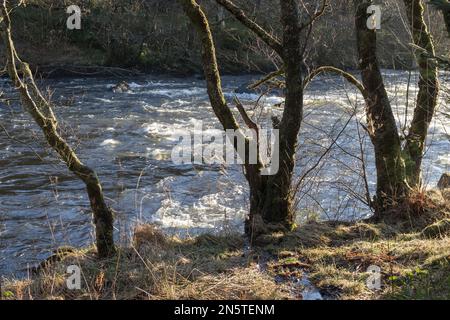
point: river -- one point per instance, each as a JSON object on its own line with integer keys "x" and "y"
{"x": 128, "y": 138}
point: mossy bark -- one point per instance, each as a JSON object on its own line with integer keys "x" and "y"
{"x": 398, "y": 168}
{"x": 40, "y": 110}
{"x": 270, "y": 196}
{"x": 428, "y": 91}
{"x": 390, "y": 165}
{"x": 278, "y": 205}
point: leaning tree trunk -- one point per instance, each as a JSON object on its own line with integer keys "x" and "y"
{"x": 390, "y": 167}
{"x": 428, "y": 91}
{"x": 213, "y": 82}
{"x": 40, "y": 110}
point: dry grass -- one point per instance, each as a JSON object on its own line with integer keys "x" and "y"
{"x": 413, "y": 255}
{"x": 157, "y": 267}
{"x": 414, "y": 261}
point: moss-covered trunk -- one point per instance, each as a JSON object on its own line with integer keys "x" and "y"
{"x": 270, "y": 196}
{"x": 41, "y": 111}
{"x": 278, "y": 196}
{"x": 428, "y": 92}
{"x": 390, "y": 166}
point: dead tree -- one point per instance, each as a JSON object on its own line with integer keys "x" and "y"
{"x": 271, "y": 199}
{"x": 41, "y": 111}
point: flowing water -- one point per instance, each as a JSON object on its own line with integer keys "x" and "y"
{"x": 128, "y": 138}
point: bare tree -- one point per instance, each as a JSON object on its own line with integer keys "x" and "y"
{"x": 271, "y": 199}
{"x": 398, "y": 166}
{"x": 382, "y": 128}
{"x": 41, "y": 111}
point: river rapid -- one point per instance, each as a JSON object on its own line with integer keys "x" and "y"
{"x": 128, "y": 139}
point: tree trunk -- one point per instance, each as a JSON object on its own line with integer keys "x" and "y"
{"x": 270, "y": 197}
{"x": 278, "y": 200}
{"x": 428, "y": 92}
{"x": 444, "y": 7}
{"x": 40, "y": 110}
{"x": 390, "y": 167}
{"x": 447, "y": 20}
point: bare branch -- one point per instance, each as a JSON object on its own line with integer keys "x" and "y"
{"x": 325, "y": 69}
{"x": 328, "y": 69}
{"x": 316, "y": 15}
{"x": 267, "y": 78}
{"x": 248, "y": 121}
{"x": 40, "y": 110}
{"x": 240, "y": 15}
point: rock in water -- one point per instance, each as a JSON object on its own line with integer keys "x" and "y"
{"x": 444, "y": 182}
{"x": 121, "y": 87}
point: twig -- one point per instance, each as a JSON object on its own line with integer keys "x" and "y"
{"x": 240, "y": 15}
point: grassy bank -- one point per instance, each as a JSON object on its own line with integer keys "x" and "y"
{"x": 413, "y": 257}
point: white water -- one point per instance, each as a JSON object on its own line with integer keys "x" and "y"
{"x": 128, "y": 139}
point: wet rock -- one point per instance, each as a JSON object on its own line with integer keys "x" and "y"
{"x": 444, "y": 182}
{"x": 121, "y": 87}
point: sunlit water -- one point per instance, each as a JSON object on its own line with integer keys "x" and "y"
{"x": 128, "y": 139}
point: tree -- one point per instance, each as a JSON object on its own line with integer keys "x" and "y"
{"x": 428, "y": 90}
{"x": 271, "y": 199}
{"x": 41, "y": 111}
{"x": 398, "y": 166}
{"x": 382, "y": 128}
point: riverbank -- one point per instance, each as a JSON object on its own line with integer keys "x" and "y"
{"x": 414, "y": 260}
{"x": 157, "y": 38}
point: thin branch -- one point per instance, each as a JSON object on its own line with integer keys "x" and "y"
{"x": 248, "y": 121}
{"x": 325, "y": 69}
{"x": 347, "y": 76}
{"x": 240, "y": 15}
{"x": 441, "y": 61}
{"x": 318, "y": 162}
{"x": 266, "y": 78}
{"x": 316, "y": 15}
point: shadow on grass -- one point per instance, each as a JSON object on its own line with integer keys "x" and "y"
{"x": 414, "y": 262}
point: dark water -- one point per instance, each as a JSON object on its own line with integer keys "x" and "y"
{"x": 128, "y": 139}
